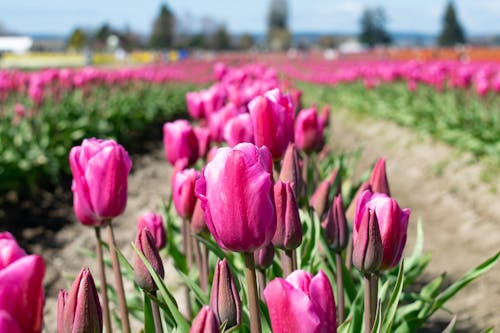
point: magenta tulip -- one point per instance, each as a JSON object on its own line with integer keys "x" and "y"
{"x": 145, "y": 243}
{"x": 309, "y": 131}
{"x": 367, "y": 248}
{"x": 291, "y": 169}
{"x": 301, "y": 303}
{"x": 378, "y": 178}
{"x": 264, "y": 257}
{"x": 100, "y": 170}
{"x": 392, "y": 221}
{"x": 198, "y": 224}
{"x": 203, "y": 137}
{"x": 319, "y": 200}
{"x": 154, "y": 223}
{"x": 224, "y": 297}
{"x": 272, "y": 119}
{"x": 238, "y": 129}
{"x": 288, "y": 233}
{"x": 236, "y": 194}
{"x": 21, "y": 288}
{"x": 81, "y": 310}
{"x": 180, "y": 142}
{"x": 183, "y": 192}
{"x": 335, "y": 226}
{"x": 205, "y": 322}
{"x": 195, "y": 105}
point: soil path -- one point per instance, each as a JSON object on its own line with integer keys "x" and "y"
{"x": 460, "y": 214}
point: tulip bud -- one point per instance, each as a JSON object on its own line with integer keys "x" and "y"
{"x": 288, "y": 233}
{"x": 183, "y": 192}
{"x": 224, "y": 297}
{"x": 180, "y": 142}
{"x": 378, "y": 178}
{"x": 264, "y": 257}
{"x": 194, "y": 103}
{"x": 367, "y": 245}
{"x": 61, "y": 303}
{"x": 205, "y": 322}
{"x": 203, "y": 136}
{"x": 82, "y": 310}
{"x": 291, "y": 169}
{"x": 324, "y": 117}
{"x": 335, "y": 226}
{"x": 309, "y": 131}
{"x": 146, "y": 244}
{"x": 198, "y": 224}
{"x": 319, "y": 199}
{"x": 154, "y": 223}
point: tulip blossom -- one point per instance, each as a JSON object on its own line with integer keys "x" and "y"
{"x": 100, "y": 170}
{"x": 79, "y": 311}
{"x": 239, "y": 129}
{"x": 145, "y": 243}
{"x": 203, "y": 137}
{"x": 180, "y": 142}
{"x": 224, "y": 297}
{"x": 236, "y": 194}
{"x": 195, "y": 105}
{"x": 272, "y": 118}
{"x": 154, "y": 223}
{"x": 288, "y": 233}
{"x": 378, "y": 178}
{"x": 205, "y": 322}
{"x": 392, "y": 221}
{"x": 183, "y": 192}
{"x": 301, "y": 303}
{"x": 309, "y": 131}
{"x": 21, "y": 288}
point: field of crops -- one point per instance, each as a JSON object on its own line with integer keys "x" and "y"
{"x": 260, "y": 212}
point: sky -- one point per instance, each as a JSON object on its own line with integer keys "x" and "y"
{"x": 422, "y": 16}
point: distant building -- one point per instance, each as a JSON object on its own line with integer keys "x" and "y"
{"x": 15, "y": 44}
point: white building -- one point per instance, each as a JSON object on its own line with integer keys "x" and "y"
{"x": 15, "y": 44}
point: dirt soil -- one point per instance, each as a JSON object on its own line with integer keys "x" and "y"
{"x": 460, "y": 214}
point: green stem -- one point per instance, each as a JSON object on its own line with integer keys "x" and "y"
{"x": 340, "y": 288}
{"x": 261, "y": 276}
{"x": 156, "y": 315}
{"x": 118, "y": 279}
{"x": 104, "y": 284}
{"x": 253, "y": 301}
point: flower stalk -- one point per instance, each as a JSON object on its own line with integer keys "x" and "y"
{"x": 102, "y": 277}
{"x": 253, "y": 301}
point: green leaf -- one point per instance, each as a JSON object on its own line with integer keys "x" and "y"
{"x": 377, "y": 325}
{"x": 180, "y": 321}
{"x": 195, "y": 288}
{"x": 345, "y": 326}
{"x": 149, "y": 324}
{"x": 394, "y": 301}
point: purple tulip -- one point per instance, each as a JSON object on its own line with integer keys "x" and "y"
{"x": 319, "y": 200}
{"x": 100, "y": 170}
{"x": 80, "y": 308}
{"x": 145, "y": 243}
{"x": 21, "y": 288}
{"x": 154, "y": 223}
{"x": 335, "y": 226}
{"x": 183, "y": 192}
{"x": 264, "y": 257}
{"x": 291, "y": 169}
{"x": 301, "y": 303}
{"x": 236, "y": 194}
{"x": 180, "y": 142}
{"x": 378, "y": 178}
{"x": 288, "y": 233}
{"x": 367, "y": 248}
{"x": 309, "y": 131}
{"x": 224, "y": 297}
{"x": 238, "y": 129}
{"x": 205, "y": 322}
{"x": 272, "y": 118}
{"x": 392, "y": 221}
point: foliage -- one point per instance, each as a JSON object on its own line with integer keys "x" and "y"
{"x": 373, "y": 27}
{"x": 77, "y": 40}
{"x": 452, "y": 32}
{"x": 163, "y": 29}
{"x": 278, "y": 36}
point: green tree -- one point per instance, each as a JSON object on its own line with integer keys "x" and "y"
{"x": 221, "y": 39}
{"x": 77, "y": 40}
{"x": 163, "y": 29}
{"x": 373, "y": 27}
{"x": 246, "y": 41}
{"x": 278, "y": 36}
{"x": 452, "y": 32}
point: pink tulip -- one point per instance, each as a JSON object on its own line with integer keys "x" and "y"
{"x": 238, "y": 129}
{"x": 205, "y": 322}
{"x": 198, "y": 224}
{"x": 145, "y": 243}
{"x": 264, "y": 257}
{"x": 220, "y": 118}
{"x": 320, "y": 198}
{"x": 80, "y": 308}
{"x": 203, "y": 136}
{"x": 378, "y": 178}
{"x": 288, "y": 233}
{"x": 309, "y": 131}
{"x": 291, "y": 169}
{"x": 195, "y": 105}
{"x": 272, "y": 118}
{"x": 180, "y": 142}
{"x": 392, "y": 221}
{"x": 183, "y": 192}
{"x": 301, "y": 303}
{"x": 367, "y": 248}
{"x": 335, "y": 226}
{"x": 154, "y": 223}
{"x": 236, "y": 194}
{"x": 224, "y": 297}
{"x": 100, "y": 169}
{"x": 21, "y": 288}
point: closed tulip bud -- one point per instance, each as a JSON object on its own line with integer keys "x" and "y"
{"x": 146, "y": 244}
{"x": 291, "y": 169}
{"x": 198, "y": 224}
{"x": 335, "y": 226}
{"x": 272, "y": 119}
{"x": 194, "y": 103}
{"x": 324, "y": 117}
{"x": 264, "y": 257}
{"x": 392, "y": 222}
{"x": 61, "y": 303}
{"x": 224, "y": 298}
{"x": 180, "y": 142}
{"x": 296, "y": 96}
{"x": 309, "y": 131}
{"x": 378, "y": 178}
{"x": 154, "y": 223}
{"x": 183, "y": 192}
{"x": 236, "y": 194}
{"x": 301, "y": 303}
{"x": 336, "y": 182}
{"x": 205, "y": 322}
{"x": 238, "y": 129}
{"x": 288, "y": 233}
{"x": 367, "y": 244}
{"x": 319, "y": 200}
{"x": 100, "y": 170}
{"x": 81, "y": 307}
{"x": 203, "y": 137}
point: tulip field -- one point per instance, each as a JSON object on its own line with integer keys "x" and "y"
{"x": 261, "y": 223}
